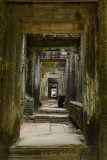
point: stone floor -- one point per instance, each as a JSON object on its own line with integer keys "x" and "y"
{"x": 49, "y": 133}
{"x": 35, "y": 129}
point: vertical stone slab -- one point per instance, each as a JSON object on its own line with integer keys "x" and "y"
{"x": 91, "y": 82}
{"x": 80, "y": 71}
{"x": 23, "y": 74}
{"x": 3, "y": 24}
{"x": 103, "y": 77}
{"x": 33, "y": 77}
{"x": 11, "y": 82}
{"x": 30, "y": 68}
{"x": 74, "y": 75}
{"x": 37, "y": 82}
{"x": 13, "y": 75}
{"x": 68, "y": 78}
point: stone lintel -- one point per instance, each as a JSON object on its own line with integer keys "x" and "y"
{"x": 51, "y": 28}
{"x": 50, "y": 42}
{"x": 52, "y": 60}
{"x": 52, "y": 1}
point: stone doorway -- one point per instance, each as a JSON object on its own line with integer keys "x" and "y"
{"x": 52, "y": 88}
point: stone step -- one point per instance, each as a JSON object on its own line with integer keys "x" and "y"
{"x": 53, "y": 110}
{"x": 73, "y": 152}
{"x": 52, "y": 118}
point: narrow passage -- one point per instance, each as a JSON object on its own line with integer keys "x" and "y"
{"x": 51, "y": 127}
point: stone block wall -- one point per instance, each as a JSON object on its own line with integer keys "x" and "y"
{"x": 102, "y": 19}
{"x": 74, "y": 73}
{"x": 76, "y": 113}
{"x": 91, "y": 107}
{"x": 10, "y": 79}
{"x": 28, "y": 105}
{"x": 3, "y": 19}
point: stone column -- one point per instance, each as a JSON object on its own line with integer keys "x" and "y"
{"x": 103, "y": 77}
{"x": 36, "y": 93}
{"x": 80, "y": 71}
{"x": 29, "y": 77}
{"x": 23, "y": 74}
{"x": 91, "y": 82}
{"x": 68, "y": 79}
{"x": 72, "y": 76}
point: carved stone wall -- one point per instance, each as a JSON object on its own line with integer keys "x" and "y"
{"x": 76, "y": 113}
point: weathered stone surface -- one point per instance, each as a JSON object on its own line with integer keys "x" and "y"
{"x": 51, "y": 1}
{"x": 76, "y": 113}
{"x": 11, "y": 86}
{"x": 10, "y": 73}
{"x": 52, "y": 12}
{"x": 32, "y": 79}
{"x": 95, "y": 58}
{"x": 46, "y": 153}
{"x": 3, "y": 134}
{"x": 53, "y": 110}
{"x": 41, "y": 28}
{"x": 54, "y": 41}
{"x": 51, "y": 17}
{"x": 103, "y": 78}
{"x": 29, "y": 105}
{"x": 91, "y": 82}
{"x": 74, "y": 73}
{"x": 41, "y": 118}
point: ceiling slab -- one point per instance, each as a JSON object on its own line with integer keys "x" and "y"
{"x": 36, "y": 13}
{"x": 51, "y": 1}
{"x": 53, "y": 41}
{"x": 52, "y": 18}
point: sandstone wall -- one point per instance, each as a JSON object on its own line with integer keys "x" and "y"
{"x": 102, "y": 18}
{"x": 10, "y": 77}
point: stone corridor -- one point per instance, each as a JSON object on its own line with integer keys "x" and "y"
{"x": 50, "y": 109}
{"x": 53, "y": 79}
{"x": 51, "y": 133}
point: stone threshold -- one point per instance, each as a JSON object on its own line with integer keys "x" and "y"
{"x": 71, "y": 152}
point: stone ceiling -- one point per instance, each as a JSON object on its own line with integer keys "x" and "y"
{"x": 36, "y": 18}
